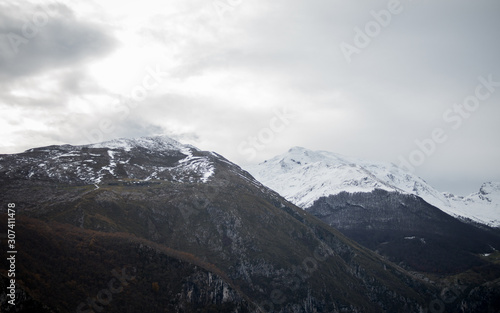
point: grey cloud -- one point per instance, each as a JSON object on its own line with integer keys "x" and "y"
{"x": 392, "y": 93}
{"x": 69, "y": 83}
{"x": 59, "y": 40}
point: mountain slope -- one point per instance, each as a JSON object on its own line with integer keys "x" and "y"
{"x": 303, "y": 176}
{"x": 179, "y": 216}
{"x": 71, "y": 269}
{"x": 482, "y": 206}
{"x": 408, "y": 230}
{"x": 145, "y": 159}
{"x": 383, "y": 208}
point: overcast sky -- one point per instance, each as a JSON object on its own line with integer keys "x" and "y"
{"x": 252, "y": 78}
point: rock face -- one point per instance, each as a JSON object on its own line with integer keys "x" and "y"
{"x": 407, "y": 230}
{"x": 152, "y": 225}
{"x": 74, "y": 270}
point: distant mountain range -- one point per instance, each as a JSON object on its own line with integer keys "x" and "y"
{"x": 388, "y": 210}
{"x": 303, "y": 176}
{"x": 152, "y": 225}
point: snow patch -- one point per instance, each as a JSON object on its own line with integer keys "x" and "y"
{"x": 155, "y": 143}
{"x": 303, "y": 176}
{"x": 199, "y": 165}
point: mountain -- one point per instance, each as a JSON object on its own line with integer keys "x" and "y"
{"x": 409, "y": 231}
{"x": 303, "y": 176}
{"x": 383, "y": 208}
{"x": 482, "y": 206}
{"x": 144, "y": 159}
{"x": 153, "y": 225}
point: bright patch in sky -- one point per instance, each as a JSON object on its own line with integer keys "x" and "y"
{"x": 214, "y": 74}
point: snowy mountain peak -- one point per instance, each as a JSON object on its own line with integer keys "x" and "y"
{"x": 482, "y": 206}
{"x": 490, "y": 189}
{"x": 296, "y": 149}
{"x": 303, "y": 157}
{"x": 156, "y": 143}
{"x": 138, "y": 159}
{"x": 303, "y": 176}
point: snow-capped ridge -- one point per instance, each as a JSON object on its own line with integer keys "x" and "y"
{"x": 482, "y": 206}
{"x": 157, "y": 143}
{"x": 303, "y": 176}
{"x": 142, "y": 159}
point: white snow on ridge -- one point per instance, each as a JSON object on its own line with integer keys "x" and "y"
{"x": 156, "y": 143}
{"x": 72, "y": 162}
{"x": 484, "y": 206}
{"x": 302, "y": 176}
{"x": 200, "y": 165}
